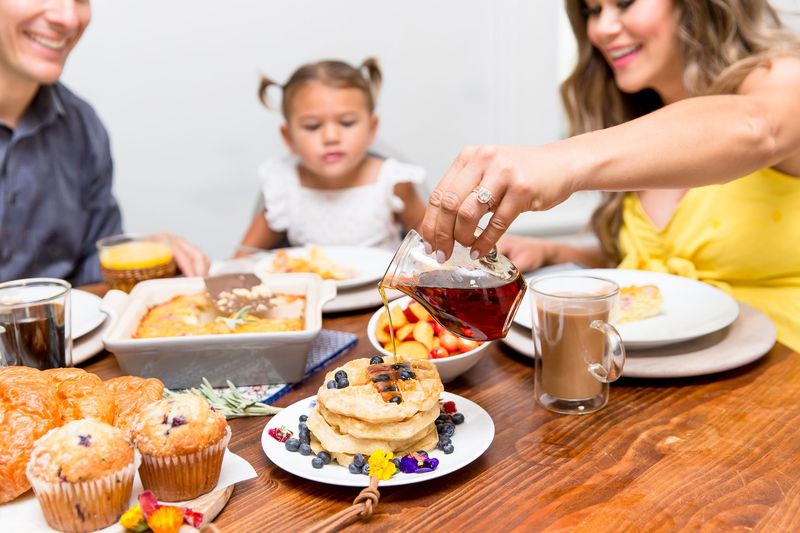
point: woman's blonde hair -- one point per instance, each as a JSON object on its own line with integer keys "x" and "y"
{"x": 721, "y": 42}
{"x": 366, "y": 78}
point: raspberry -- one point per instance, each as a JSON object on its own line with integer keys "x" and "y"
{"x": 449, "y": 407}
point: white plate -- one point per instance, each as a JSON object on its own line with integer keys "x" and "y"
{"x": 369, "y": 264}
{"x": 89, "y": 345}
{"x": 691, "y": 308}
{"x": 360, "y": 298}
{"x": 85, "y": 311}
{"x": 471, "y": 439}
{"x": 750, "y": 336}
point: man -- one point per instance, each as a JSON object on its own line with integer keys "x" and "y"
{"x": 55, "y": 158}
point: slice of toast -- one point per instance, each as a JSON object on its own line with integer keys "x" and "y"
{"x": 639, "y": 301}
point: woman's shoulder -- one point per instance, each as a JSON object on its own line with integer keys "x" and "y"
{"x": 780, "y": 72}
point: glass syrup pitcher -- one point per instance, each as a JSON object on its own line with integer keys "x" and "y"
{"x": 472, "y": 298}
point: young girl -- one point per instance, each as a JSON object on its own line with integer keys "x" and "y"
{"x": 331, "y": 190}
{"x": 687, "y": 109}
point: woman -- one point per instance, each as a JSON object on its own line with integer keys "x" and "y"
{"x": 694, "y": 105}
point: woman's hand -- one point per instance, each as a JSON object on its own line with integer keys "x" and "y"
{"x": 191, "y": 261}
{"x": 515, "y": 179}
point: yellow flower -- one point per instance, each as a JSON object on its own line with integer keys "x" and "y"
{"x": 133, "y": 519}
{"x": 380, "y": 465}
{"x": 166, "y": 519}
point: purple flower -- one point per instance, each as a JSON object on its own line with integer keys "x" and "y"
{"x": 412, "y": 465}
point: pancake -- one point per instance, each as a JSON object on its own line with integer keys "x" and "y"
{"x": 427, "y": 442}
{"x": 333, "y": 441}
{"x": 81, "y": 395}
{"x": 28, "y": 410}
{"x": 362, "y": 400}
{"x": 360, "y": 429}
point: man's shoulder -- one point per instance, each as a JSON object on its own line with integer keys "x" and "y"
{"x": 75, "y": 107}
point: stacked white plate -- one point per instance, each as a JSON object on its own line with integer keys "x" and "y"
{"x": 88, "y": 324}
{"x": 700, "y": 329}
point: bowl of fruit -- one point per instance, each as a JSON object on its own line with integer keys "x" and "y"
{"x": 419, "y": 336}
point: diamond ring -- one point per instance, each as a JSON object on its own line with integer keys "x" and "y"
{"x": 484, "y": 196}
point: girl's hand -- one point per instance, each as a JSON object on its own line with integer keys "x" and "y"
{"x": 527, "y": 253}
{"x": 191, "y": 261}
{"x": 517, "y": 178}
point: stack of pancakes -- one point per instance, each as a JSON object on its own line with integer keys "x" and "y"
{"x": 358, "y": 419}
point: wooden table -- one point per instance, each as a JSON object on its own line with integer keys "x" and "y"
{"x": 713, "y": 453}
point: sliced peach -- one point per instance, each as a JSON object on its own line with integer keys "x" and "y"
{"x": 398, "y": 318}
{"x": 410, "y": 314}
{"x": 382, "y": 329}
{"x": 419, "y": 311}
{"x": 423, "y": 332}
{"x": 465, "y": 345}
{"x": 388, "y": 346}
{"x": 405, "y": 332}
{"x": 412, "y": 350}
{"x": 436, "y": 342}
{"x": 449, "y": 342}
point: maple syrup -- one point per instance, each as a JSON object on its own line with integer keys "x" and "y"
{"x": 474, "y": 307}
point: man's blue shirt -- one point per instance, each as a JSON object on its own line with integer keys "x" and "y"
{"x": 55, "y": 190}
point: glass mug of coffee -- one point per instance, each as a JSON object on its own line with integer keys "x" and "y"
{"x": 578, "y": 352}
{"x": 472, "y": 298}
{"x": 35, "y": 323}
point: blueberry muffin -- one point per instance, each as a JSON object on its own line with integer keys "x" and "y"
{"x": 182, "y": 442}
{"x": 82, "y": 474}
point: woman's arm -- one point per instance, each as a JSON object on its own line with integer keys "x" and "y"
{"x": 259, "y": 234}
{"x": 693, "y": 142}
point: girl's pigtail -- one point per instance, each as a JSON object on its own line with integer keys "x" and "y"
{"x": 373, "y": 75}
{"x": 262, "y": 90}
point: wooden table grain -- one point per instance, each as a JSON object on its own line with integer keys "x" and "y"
{"x": 719, "y": 452}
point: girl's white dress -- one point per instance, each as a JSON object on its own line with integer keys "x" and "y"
{"x": 356, "y": 216}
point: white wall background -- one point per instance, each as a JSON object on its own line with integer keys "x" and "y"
{"x": 175, "y": 83}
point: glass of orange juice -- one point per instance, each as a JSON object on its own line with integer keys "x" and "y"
{"x": 128, "y": 259}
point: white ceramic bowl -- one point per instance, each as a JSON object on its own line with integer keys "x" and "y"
{"x": 243, "y": 358}
{"x": 449, "y": 367}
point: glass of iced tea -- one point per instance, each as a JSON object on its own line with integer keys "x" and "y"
{"x": 35, "y": 323}
{"x": 472, "y": 298}
{"x": 127, "y": 259}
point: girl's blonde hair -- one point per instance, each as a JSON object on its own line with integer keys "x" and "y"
{"x": 721, "y": 42}
{"x": 366, "y": 78}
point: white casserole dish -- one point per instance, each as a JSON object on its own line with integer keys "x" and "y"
{"x": 243, "y": 358}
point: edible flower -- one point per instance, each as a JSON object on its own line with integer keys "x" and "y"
{"x": 414, "y": 463}
{"x": 381, "y": 465}
{"x": 148, "y": 513}
{"x": 133, "y": 519}
{"x": 166, "y": 519}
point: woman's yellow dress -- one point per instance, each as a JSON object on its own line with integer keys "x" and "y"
{"x": 742, "y": 236}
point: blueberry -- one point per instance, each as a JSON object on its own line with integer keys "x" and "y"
{"x": 458, "y": 418}
{"x": 380, "y": 377}
{"x": 396, "y": 461}
{"x": 442, "y": 418}
{"x": 353, "y": 469}
{"x": 376, "y": 360}
{"x": 395, "y": 399}
{"x": 304, "y": 449}
{"x": 390, "y": 388}
{"x": 406, "y": 375}
{"x": 443, "y": 441}
{"x": 316, "y": 462}
{"x": 447, "y": 430}
{"x": 365, "y": 469}
{"x": 305, "y": 438}
{"x": 324, "y": 457}
{"x": 302, "y": 426}
{"x": 358, "y": 460}
{"x": 423, "y": 453}
{"x": 342, "y": 384}
{"x": 340, "y": 375}
{"x": 303, "y": 418}
{"x": 448, "y": 448}
{"x": 331, "y": 384}
{"x": 292, "y": 444}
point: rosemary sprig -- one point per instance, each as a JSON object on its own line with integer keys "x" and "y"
{"x": 231, "y": 402}
{"x": 238, "y": 318}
